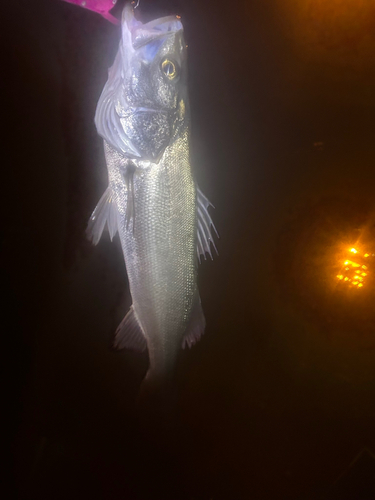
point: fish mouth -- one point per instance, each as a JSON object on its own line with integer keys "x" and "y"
{"x": 160, "y": 24}
{"x": 141, "y": 34}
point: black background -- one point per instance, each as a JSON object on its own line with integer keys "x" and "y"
{"x": 278, "y": 397}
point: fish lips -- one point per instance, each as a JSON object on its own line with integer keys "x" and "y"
{"x": 149, "y": 131}
{"x": 139, "y": 34}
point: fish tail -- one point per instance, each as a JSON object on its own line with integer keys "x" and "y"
{"x": 156, "y": 398}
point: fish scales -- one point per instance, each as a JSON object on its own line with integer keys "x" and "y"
{"x": 160, "y": 248}
{"x": 152, "y": 199}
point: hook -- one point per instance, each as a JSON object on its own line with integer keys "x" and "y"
{"x": 135, "y": 6}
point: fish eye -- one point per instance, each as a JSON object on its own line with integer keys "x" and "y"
{"x": 169, "y": 69}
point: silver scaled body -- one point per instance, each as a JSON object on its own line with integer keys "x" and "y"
{"x": 159, "y": 245}
{"x": 152, "y": 200}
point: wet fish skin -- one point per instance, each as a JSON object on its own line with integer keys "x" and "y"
{"x": 152, "y": 199}
{"x": 160, "y": 249}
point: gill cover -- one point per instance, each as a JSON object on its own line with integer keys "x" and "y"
{"x": 140, "y": 106}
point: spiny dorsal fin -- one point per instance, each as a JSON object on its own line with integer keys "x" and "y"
{"x": 129, "y": 334}
{"x": 205, "y": 238}
{"x": 196, "y": 326}
{"x": 105, "y": 212}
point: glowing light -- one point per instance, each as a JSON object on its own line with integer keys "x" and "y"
{"x": 353, "y": 272}
{"x": 353, "y": 264}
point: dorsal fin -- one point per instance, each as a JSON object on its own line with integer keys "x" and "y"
{"x": 205, "y": 237}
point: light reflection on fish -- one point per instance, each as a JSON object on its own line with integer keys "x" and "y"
{"x": 152, "y": 199}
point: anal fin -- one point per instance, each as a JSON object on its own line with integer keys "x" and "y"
{"x": 196, "y": 327}
{"x": 129, "y": 334}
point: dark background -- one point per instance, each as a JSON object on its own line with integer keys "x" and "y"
{"x": 277, "y": 399}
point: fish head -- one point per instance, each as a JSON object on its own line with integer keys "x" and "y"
{"x": 145, "y": 98}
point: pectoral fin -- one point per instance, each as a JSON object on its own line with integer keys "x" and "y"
{"x": 129, "y": 334}
{"x": 205, "y": 237}
{"x": 130, "y": 203}
{"x": 104, "y": 213}
{"x": 196, "y": 326}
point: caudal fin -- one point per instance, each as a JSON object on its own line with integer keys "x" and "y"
{"x": 157, "y": 397}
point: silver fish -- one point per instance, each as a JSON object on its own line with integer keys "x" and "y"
{"x": 152, "y": 200}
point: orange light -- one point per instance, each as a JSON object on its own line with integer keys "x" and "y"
{"x": 353, "y": 264}
{"x": 353, "y": 272}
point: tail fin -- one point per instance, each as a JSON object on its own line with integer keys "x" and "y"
{"x": 157, "y": 397}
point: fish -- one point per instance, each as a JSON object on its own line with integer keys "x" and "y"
{"x": 101, "y": 7}
{"x": 152, "y": 200}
